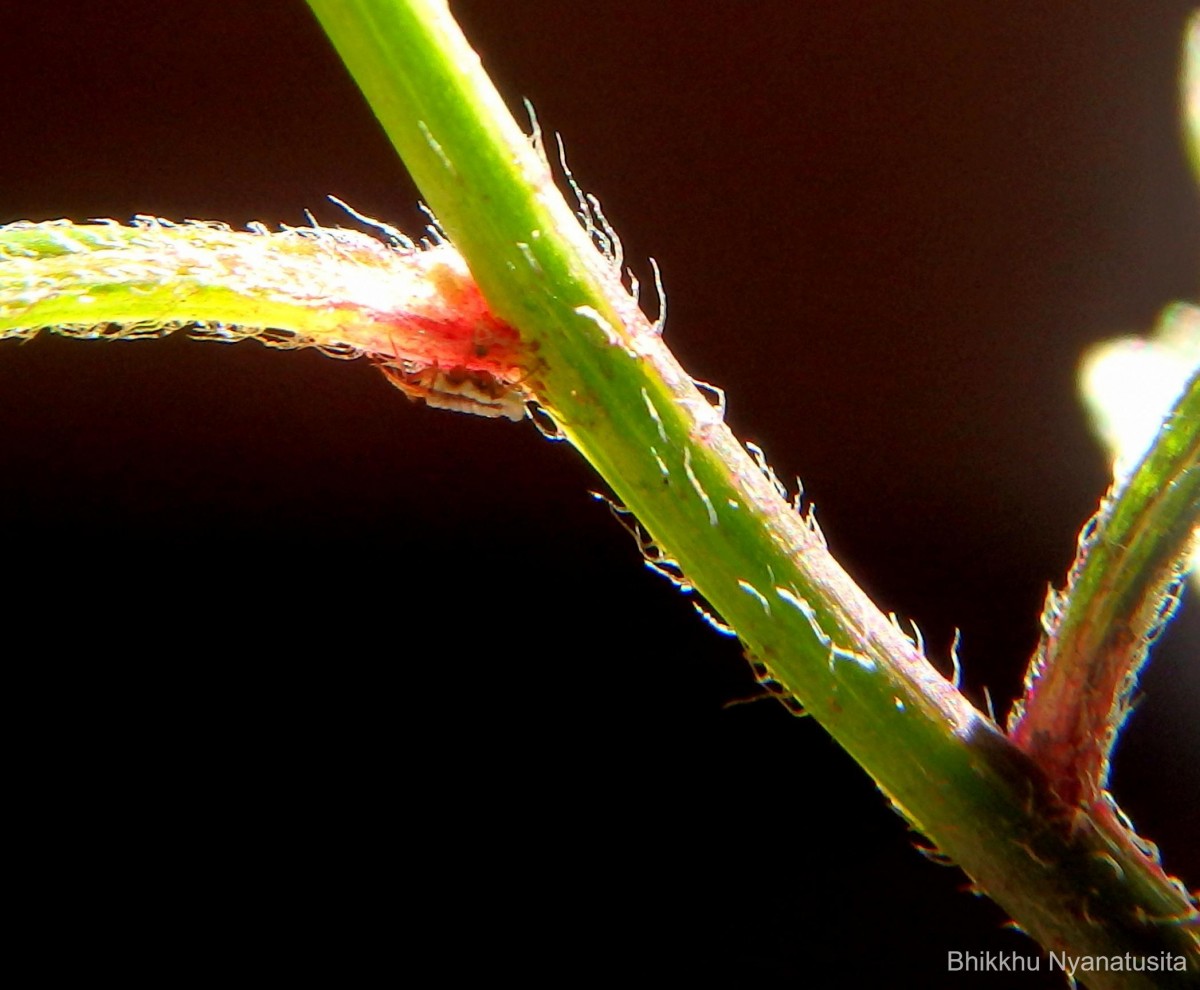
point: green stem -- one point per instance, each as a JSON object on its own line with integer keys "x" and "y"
{"x": 609, "y": 383}
{"x": 415, "y": 312}
{"x": 1122, "y": 589}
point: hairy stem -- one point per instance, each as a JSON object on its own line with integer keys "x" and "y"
{"x": 1123, "y": 587}
{"x": 716, "y": 514}
{"x": 416, "y": 312}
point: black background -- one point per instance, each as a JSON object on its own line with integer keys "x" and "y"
{"x": 303, "y": 668}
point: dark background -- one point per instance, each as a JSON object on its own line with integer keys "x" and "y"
{"x": 309, "y": 670}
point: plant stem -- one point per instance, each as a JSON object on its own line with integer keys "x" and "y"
{"x": 613, "y": 388}
{"x": 1123, "y": 588}
{"x": 415, "y": 312}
